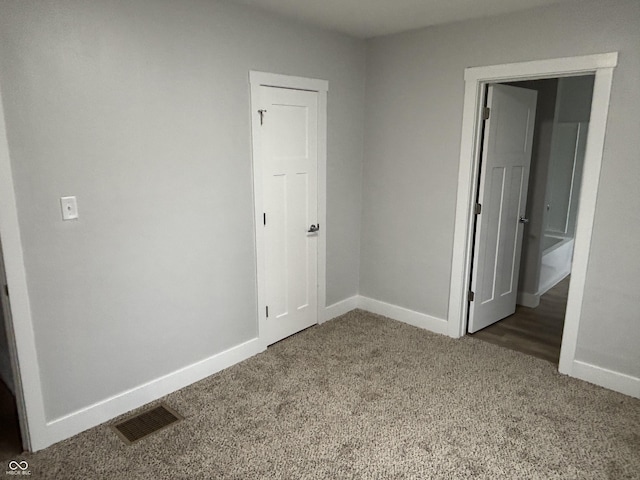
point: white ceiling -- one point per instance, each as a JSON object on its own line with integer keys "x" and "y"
{"x": 370, "y": 18}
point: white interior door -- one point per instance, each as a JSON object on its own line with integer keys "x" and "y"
{"x": 289, "y": 139}
{"x": 504, "y": 178}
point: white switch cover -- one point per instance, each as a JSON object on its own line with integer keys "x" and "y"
{"x": 69, "y": 208}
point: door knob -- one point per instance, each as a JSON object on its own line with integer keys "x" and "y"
{"x": 523, "y": 220}
{"x": 313, "y": 228}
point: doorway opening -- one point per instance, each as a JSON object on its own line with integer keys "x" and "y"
{"x": 602, "y": 65}
{"x": 10, "y": 437}
{"x": 545, "y": 230}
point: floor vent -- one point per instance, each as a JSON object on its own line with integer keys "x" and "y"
{"x": 144, "y": 424}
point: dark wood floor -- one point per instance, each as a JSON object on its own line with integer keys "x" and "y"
{"x": 535, "y": 331}
{"x": 10, "y": 444}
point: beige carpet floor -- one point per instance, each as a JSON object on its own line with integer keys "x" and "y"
{"x": 366, "y": 397}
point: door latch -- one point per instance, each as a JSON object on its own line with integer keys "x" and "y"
{"x": 313, "y": 228}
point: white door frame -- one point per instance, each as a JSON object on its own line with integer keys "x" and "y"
{"x": 263, "y": 79}
{"x": 476, "y": 78}
{"x": 21, "y": 338}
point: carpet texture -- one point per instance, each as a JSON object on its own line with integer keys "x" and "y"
{"x": 365, "y": 397}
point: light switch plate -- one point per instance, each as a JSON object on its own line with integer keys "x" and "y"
{"x": 69, "y": 208}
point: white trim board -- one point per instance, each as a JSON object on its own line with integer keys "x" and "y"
{"x": 340, "y": 308}
{"x": 603, "y": 377}
{"x": 266, "y": 79}
{"x": 105, "y": 410}
{"x": 554, "y": 281}
{"x": 20, "y": 326}
{"x": 394, "y": 312}
{"x": 610, "y": 379}
{"x": 411, "y": 317}
{"x": 256, "y": 80}
{"x": 100, "y": 412}
{"x": 530, "y": 300}
{"x": 476, "y": 78}
{"x": 112, "y": 407}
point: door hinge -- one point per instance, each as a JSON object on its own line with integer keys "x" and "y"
{"x": 486, "y": 112}
{"x": 471, "y": 296}
{"x": 6, "y": 290}
{"x": 261, "y": 112}
{"x": 264, "y": 218}
{"x": 477, "y": 209}
{"x": 267, "y": 307}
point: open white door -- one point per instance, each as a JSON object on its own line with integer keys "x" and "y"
{"x": 504, "y": 178}
{"x": 289, "y": 139}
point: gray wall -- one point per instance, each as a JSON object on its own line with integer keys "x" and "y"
{"x": 412, "y": 145}
{"x": 141, "y": 110}
{"x": 575, "y": 98}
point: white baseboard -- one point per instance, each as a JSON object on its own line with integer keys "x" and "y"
{"x": 76, "y": 422}
{"x": 100, "y": 412}
{"x": 552, "y": 282}
{"x": 105, "y": 410}
{"x": 340, "y": 308}
{"x": 402, "y": 314}
{"x": 617, "y": 381}
{"x": 531, "y": 300}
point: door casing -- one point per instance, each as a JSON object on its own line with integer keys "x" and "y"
{"x": 602, "y": 65}
{"x": 20, "y": 335}
{"x": 256, "y": 80}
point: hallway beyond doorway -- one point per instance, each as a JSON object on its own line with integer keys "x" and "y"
{"x": 534, "y": 331}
